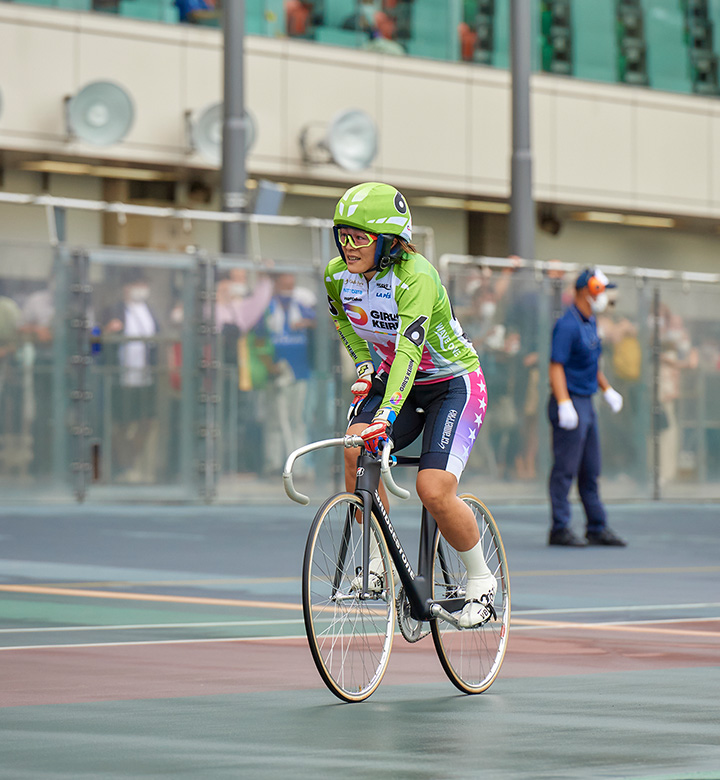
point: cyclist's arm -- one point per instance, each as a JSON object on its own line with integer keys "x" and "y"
{"x": 356, "y": 347}
{"x": 416, "y": 299}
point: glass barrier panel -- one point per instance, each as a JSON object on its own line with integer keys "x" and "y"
{"x": 689, "y": 390}
{"x": 143, "y": 372}
{"x": 33, "y": 358}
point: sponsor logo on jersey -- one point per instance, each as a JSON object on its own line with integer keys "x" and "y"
{"x": 446, "y": 340}
{"x": 383, "y": 285}
{"x": 408, "y": 374}
{"x": 355, "y": 314}
{"x": 383, "y": 295}
{"x": 396, "y": 398}
{"x": 384, "y": 320}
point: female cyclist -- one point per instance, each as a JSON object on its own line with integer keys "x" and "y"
{"x": 382, "y": 292}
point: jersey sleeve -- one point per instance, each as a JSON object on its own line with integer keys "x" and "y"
{"x": 415, "y": 299}
{"x": 356, "y": 347}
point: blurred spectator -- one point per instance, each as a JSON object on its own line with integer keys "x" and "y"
{"x": 298, "y": 16}
{"x": 497, "y": 347}
{"x": 135, "y": 425}
{"x": 36, "y": 328}
{"x": 196, "y": 11}
{"x": 15, "y": 450}
{"x": 624, "y": 366}
{"x": 290, "y": 321}
{"x": 468, "y": 41}
{"x": 248, "y": 357}
{"x": 379, "y": 26}
{"x": 677, "y": 355}
{"x": 527, "y": 305}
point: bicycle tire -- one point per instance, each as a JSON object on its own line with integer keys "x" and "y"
{"x": 472, "y": 657}
{"x": 350, "y": 638}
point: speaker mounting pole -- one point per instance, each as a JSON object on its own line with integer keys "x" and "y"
{"x": 234, "y": 129}
{"x": 522, "y": 206}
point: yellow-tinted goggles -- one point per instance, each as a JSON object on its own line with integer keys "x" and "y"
{"x": 358, "y": 241}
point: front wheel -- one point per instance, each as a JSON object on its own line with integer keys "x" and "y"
{"x": 350, "y": 636}
{"x": 471, "y": 657}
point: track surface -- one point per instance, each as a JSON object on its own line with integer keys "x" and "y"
{"x": 168, "y": 642}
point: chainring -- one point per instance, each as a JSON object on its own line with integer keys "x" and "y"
{"x": 411, "y": 629}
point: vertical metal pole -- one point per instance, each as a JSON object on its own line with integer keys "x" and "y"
{"x": 61, "y": 359}
{"x": 522, "y": 214}
{"x": 657, "y": 409}
{"x": 234, "y": 130}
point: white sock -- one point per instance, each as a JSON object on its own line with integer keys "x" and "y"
{"x": 474, "y": 560}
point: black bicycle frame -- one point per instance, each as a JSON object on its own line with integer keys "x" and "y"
{"x": 418, "y": 585}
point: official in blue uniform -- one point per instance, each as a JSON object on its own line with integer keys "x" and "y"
{"x": 575, "y": 376}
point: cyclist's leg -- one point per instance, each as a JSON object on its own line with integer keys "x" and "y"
{"x": 455, "y": 412}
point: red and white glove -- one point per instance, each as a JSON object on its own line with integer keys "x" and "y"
{"x": 377, "y": 434}
{"x": 361, "y": 386}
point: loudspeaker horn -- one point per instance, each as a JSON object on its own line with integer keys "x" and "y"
{"x": 205, "y": 132}
{"x": 350, "y": 141}
{"x": 101, "y": 113}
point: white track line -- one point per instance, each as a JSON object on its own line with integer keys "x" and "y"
{"x": 634, "y": 608}
{"x": 640, "y": 624}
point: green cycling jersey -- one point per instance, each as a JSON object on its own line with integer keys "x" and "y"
{"x": 405, "y": 313}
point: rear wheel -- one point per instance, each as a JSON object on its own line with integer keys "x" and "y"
{"x": 471, "y": 657}
{"x": 350, "y": 636}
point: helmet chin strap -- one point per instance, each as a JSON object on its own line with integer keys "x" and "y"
{"x": 384, "y": 256}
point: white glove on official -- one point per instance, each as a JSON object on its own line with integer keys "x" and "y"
{"x": 614, "y": 399}
{"x": 567, "y": 415}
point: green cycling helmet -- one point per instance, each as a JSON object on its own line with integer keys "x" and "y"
{"x": 377, "y": 208}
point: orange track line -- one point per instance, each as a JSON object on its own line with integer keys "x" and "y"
{"x": 106, "y": 594}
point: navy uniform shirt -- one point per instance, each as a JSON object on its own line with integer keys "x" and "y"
{"x": 576, "y": 344}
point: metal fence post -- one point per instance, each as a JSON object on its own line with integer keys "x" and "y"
{"x": 208, "y": 396}
{"x": 80, "y": 395}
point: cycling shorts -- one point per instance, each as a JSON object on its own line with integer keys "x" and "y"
{"x": 449, "y": 414}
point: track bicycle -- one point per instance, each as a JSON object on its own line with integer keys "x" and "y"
{"x": 350, "y": 625}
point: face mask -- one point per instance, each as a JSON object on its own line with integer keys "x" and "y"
{"x": 487, "y": 310}
{"x": 139, "y": 294}
{"x": 239, "y": 289}
{"x": 599, "y": 303}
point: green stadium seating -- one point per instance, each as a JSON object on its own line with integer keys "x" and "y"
{"x": 594, "y": 41}
{"x": 264, "y": 17}
{"x": 155, "y": 10}
{"x": 435, "y": 29}
{"x": 714, "y": 14}
{"x": 337, "y": 11}
{"x": 336, "y": 37}
{"x": 667, "y": 53}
